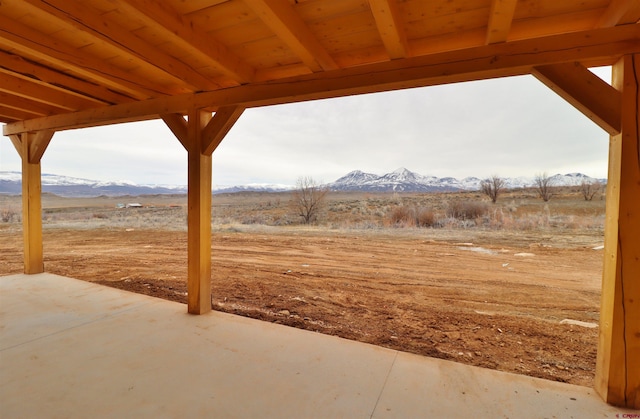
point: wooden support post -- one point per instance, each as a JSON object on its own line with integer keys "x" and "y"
{"x": 31, "y": 147}
{"x": 200, "y": 136}
{"x": 618, "y": 363}
{"x": 32, "y": 216}
{"x": 199, "y": 217}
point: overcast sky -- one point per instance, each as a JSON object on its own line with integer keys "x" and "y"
{"x": 510, "y": 127}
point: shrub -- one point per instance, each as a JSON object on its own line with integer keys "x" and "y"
{"x": 402, "y": 216}
{"x": 425, "y": 217}
{"x": 467, "y": 210}
{"x": 10, "y": 216}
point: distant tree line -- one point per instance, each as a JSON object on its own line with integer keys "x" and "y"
{"x": 308, "y": 198}
{"x": 543, "y": 184}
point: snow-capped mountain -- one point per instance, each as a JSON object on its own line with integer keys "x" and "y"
{"x": 400, "y": 180}
{"x": 10, "y": 183}
{"x": 403, "y": 180}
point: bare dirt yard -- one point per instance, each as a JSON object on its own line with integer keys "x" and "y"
{"x": 503, "y": 296}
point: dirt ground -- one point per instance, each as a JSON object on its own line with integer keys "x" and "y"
{"x": 488, "y": 301}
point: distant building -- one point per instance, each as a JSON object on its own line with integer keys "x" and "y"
{"x": 134, "y": 205}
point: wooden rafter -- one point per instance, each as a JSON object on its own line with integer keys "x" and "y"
{"x": 35, "y": 44}
{"x": 27, "y": 105}
{"x": 280, "y": 17}
{"x": 389, "y": 24}
{"x": 181, "y": 30}
{"x": 51, "y": 77}
{"x": 77, "y": 97}
{"x": 585, "y": 91}
{"x": 87, "y": 20}
{"x": 31, "y": 89}
{"x": 490, "y": 61}
{"x": 620, "y": 12}
{"x": 500, "y": 18}
{"x": 12, "y": 114}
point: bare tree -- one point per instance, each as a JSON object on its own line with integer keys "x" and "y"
{"x": 492, "y": 187}
{"x": 543, "y": 183}
{"x": 308, "y": 198}
{"x": 589, "y": 189}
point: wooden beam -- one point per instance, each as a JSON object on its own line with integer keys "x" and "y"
{"x": 282, "y": 19}
{"x": 28, "y": 105}
{"x": 585, "y": 91}
{"x": 620, "y": 12}
{"x": 182, "y": 31}
{"x": 390, "y": 27}
{"x": 35, "y": 44}
{"x": 198, "y": 218}
{"x": 500, "y": 18}
{"x": 52, "y": 77}
{"x": 90, "y": 21}
{"x": 618, "y": 361}
{"x": 13, "y": 114}
{"x": 33, "y": 146}
{"x": 28, "y": 89}
{"x": 219, "y": 127}
{"x": 476, "y": 63}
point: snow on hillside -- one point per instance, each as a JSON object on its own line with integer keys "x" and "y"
{"x": 403, "y": 179}
{"x": 78, "y": 187}
{"x": 400, "y": 180}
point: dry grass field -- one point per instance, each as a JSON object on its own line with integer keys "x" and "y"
{"x": 498, "y": 286}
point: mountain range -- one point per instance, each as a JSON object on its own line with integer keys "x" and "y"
{"x": 403, "y": 180}
{"x": 400, "y": 180}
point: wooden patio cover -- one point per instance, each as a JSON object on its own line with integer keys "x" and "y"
{"x": 67, "y": 64}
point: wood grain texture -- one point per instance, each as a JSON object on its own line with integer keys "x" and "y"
{"x": 476, "y": 63}
{"x": 618, "y": 362}
{"x": 33, "y": 146}
{"x": 198, "y": 218}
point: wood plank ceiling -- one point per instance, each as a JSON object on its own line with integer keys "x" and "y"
{"x": 63, "y": 56}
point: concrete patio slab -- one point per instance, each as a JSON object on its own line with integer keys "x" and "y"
{"x": 69, "y": 348}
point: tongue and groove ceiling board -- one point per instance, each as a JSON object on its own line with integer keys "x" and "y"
{"x": 65, "y": 57}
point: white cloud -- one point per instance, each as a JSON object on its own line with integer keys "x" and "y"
{"x": 511, "y": 127}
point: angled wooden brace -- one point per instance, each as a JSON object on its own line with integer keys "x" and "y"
{"x": 585, "y": 91}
